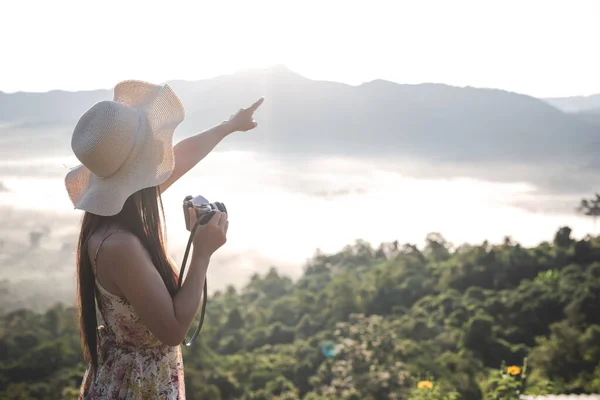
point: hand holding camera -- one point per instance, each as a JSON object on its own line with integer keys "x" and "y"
{"x": 211, "y": 218}
{"x": 207, "y": 223}
{"x": 212, "y": 234}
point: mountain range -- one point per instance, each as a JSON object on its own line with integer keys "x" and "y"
{"x": 470, "y": 129}
{"x": 576, "y": 104}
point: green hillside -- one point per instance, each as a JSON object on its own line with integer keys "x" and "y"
{"x": 368, "y": 323}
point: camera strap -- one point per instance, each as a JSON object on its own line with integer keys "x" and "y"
{"x": 204, "y": 292}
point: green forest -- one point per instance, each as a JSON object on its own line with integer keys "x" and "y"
{"x": 392, "y": 321}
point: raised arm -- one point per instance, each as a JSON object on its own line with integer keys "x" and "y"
{"x": 191, "y": 150}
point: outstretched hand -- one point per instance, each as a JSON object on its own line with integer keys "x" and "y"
{"x": 243, "y": 120}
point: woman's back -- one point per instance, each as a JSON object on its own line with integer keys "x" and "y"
{"x": 132, "y": 362}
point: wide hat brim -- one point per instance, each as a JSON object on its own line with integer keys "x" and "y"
{"x": 151, "y": 161}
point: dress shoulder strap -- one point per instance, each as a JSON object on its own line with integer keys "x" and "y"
{"x": 98, "y": 249}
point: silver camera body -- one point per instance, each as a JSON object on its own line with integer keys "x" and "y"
{"x": 203, "y": 208}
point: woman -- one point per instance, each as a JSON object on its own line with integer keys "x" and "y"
{"x": 125, "y": 147}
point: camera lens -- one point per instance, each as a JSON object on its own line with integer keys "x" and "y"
{"x": 221, "y": 207}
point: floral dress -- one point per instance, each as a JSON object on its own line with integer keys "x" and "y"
{"x": 132, "y": 363}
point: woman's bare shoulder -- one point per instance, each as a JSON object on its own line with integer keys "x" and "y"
{"x": 114, "y": 243}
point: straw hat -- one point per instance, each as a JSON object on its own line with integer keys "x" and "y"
{"x": 124, "y": 145}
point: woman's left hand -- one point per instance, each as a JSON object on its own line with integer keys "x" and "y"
{"x": 243, "y": 120}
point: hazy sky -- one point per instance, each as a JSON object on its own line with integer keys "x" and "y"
{"x": 539, "y": 47}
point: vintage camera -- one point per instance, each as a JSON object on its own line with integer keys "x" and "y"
{"x": 204, "y": 209}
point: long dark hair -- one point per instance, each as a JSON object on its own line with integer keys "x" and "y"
{"x": 141, "y": 217}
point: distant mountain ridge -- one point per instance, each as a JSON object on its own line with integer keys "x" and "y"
{"x": 576, "y": 104}
{"x": 432, "y": 122}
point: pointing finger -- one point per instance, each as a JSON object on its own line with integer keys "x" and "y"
{"x": 257, "y": 104}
